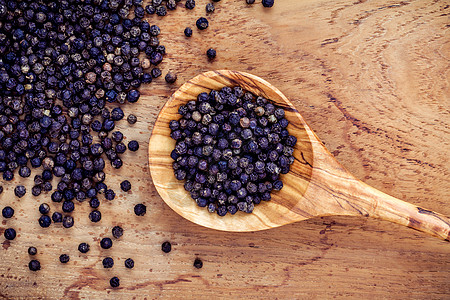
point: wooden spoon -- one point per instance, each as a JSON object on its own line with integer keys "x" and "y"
{"x": 317, "y": 184}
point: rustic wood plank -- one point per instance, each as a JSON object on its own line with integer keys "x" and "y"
{"x": 369, "y": 77}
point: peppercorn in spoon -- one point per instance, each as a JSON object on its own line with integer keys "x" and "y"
{"x": 316, "y": 185}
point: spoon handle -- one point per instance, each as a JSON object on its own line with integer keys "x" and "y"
{"x": 395, "y": 210}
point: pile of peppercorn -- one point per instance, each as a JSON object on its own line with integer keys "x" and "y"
{"x": 231, "y": 148}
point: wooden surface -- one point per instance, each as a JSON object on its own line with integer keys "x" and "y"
{"x": 369, "y": 77}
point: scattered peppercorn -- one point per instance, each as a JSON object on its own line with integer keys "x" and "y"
{"x": 210, "y": 8}
{"x": 267, "y": 3}
{"x": 250, "y": 1}
{"x": 32, "y": 251}
{"x": 171, "y": 77}
{"x": 188, "y": 32}
{"x": 114, "y": 282}
{"x": 202, "y": 23}
{"x": 125, "y": 185}
{"x": 211, "y": 53}
{"x": 34, "y": 265}
{"x": 83, "y": 247}
{"x": 10, "y": 233}
{"x": 129, "y": 263}
{"x": 198, "y": 263}
{"x": 108, "y": 262}
{"x": 44, "y": 208}
{"x": 67, "y": 221}
{"x": 20, "y": 191}
{"x": 132, "y": 119}
{"x": 117, "y": 232}
{"x": 166, "y": 247}
{"x": 44, "y": 221}
{"x": 140, "y": 209}
{"x": 7, "y": 212}
{"x": 106, "y": 243}
{"x": 64, "y": 258}
{"x": 95, "y": 216}
{"x": 133, "y": 145}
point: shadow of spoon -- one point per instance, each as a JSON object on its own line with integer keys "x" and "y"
{"x": 316, "y": 185}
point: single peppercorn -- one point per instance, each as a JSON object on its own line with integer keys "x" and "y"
{"x": 198, "y": 263}
{"x": 67, "y": 222}
{"x": 44, "y": 208}
{"x": 188, "y": 32}
{"x": 95, "y": 216}
{"x": 64, "y": 258}
{"x": 83, "y": 247}
{"x": 210, "y": 8}
{"x": 140, "y": 209}
{"x": 129, "y": 263}
{"x": 125, "y": 185}
{"x": 117, "y": 232}
{"x": 211, "y": 53}
{"x": 132, "y": 119}
{"x": 133, "y": 145}
{"x": 7, "y": 212}
{"x": 166, "y": 247}
{"x": 202, "y": 23}
{"x": 57, "y": 217}
{"x": 20, "y": 191}
{"x": 34, "y": 265}
{"x": 250, "y": 1}
{"x": 106, "y": 243}
{"x": 268, "y": 3}
{"x": 10, "y": 233}
{"x": 108, "y": 262}
{"x": 171, "y": 77}
{"x": 114, "y": 282}
{"x": 32, "y": 250}
{"x": 44, "y": 221}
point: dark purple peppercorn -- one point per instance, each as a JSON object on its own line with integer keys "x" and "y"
{"x": 68, "y": 206}
{"x": 83, "y": 247}
{"x": 188, "y": 32}
{"x": 108, "y": 262}
{"x": 171, "y": 77}
{"x": 67, "y": 221}
{"x": 140, "y": 209}
{"x": 64, "y": 258}
{"x": 34, "y": 265}
{"x": 114, "y": 282}
{"x": 250, "y": 1}
{"x": 267, "y": 3}
{"x": 133, "y": 146}
{"x": 125, "y": 185}
{"x": 210, "y": 8}
{"x": 94, "y": 203}
{"x": 7, "y": 212}
{"x": 44, "y": 221}
{"x": 198, "y": 263}
{"x": 202, "y": 23}
{"x": 211, "y": 53}
{"x": 132, "y": 119}
{"x": 129, "y": 263}
{"x": 95, "y": 216}
{"x": 166, "y": 247}
{"x": 106, "y": 243}
{"x": 57, "y": 217}
{"x": 32, "y": 250}
{"x": 20, "y": 191}
{"x": 44, "y": 208}
{"x": 109, "y": 194}
{"x": 10, "y": 233}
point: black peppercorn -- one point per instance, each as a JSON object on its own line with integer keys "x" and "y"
{"x": 140, "y": 209}
{"x": 67, "y": 221}
{"x": 64, "y": 258}
{"x": 34, "y": 265}
{"x": 129, "y": 263}
{"x": 44, "y": 221}
{"x": 108, "y": 262}
{"x": 57, "y": 217}
{"x": 188, "y": 32}
{"x": 32, "y": 251}
{"x": 267, "y": 3}
{"x": 83, "y": 247}
{"x": 7, "y": 212}
{"x": 171, "y": 77}
{"x": 125, "y": 185}
{"x": 20, "y": 191}
{"x": 114, "y": 282}
{"x": 95, "y": 216}
{"x": 202, "y": 23}
{"x": 166, "y": 247}
{"x": 132, "y": 119}
{"x": 133, "y": 146}
{"x": 117, "y": 232}
{"x": 106, "y": 243}
{"x": 44, "y": 208}
{"x": 198, "y": 263}
{"x": 10, "y": 233}
{"x": 94, "y": 203}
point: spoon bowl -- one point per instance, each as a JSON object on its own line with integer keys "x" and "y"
{"x": 316, "y": 185}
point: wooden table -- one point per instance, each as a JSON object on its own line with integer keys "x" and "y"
{"x": 370, "y": 77}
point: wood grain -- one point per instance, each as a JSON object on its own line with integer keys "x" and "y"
{"x": 369, "y": 77}
{"x": 317, "y": 185}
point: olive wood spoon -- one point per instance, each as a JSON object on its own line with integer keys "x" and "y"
{"x": 316, "y": 185}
